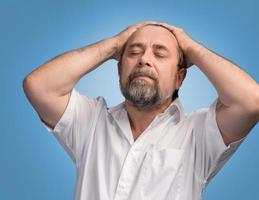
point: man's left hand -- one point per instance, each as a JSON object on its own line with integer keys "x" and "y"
{"x": 186, "y": 43}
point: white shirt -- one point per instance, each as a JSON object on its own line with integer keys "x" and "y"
{"x": 173, "y": 159}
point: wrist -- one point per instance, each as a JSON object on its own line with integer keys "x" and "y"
{"x": 117, "y": 47}
{"x": 107, "y": 48}
{"x": 194, "y": 51}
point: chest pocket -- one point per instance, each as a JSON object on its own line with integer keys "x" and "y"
{"x": 160, "y": 176}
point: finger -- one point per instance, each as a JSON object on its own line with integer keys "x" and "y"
{"x": 145, "y": 23}
{"x": 150, "y": 22}
{"x": 171, "y": 27}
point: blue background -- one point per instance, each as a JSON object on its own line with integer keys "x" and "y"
{"x": 33, "y": 164}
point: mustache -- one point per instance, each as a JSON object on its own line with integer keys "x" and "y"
{"x": 142, "y": 72}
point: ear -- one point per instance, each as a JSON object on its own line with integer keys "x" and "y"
{"x": 181, "y": 74}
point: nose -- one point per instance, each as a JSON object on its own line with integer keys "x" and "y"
{"x": 145, "y": 59}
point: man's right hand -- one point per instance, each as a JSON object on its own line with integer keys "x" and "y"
{"x": 124, "y": 35}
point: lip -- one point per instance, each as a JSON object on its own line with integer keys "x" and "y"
{"x": 142, "y": 77}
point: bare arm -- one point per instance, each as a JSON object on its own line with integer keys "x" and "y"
{"x": 237, "y": 110}
{"x": 49, "y": 86}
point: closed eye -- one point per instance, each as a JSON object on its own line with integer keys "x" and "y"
{"x": 160, "y": 55}
{"x": 160, "y": 51}
{"x": 134, "y": 53}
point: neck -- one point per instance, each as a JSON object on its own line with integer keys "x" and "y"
{"x": 141, "y": 118}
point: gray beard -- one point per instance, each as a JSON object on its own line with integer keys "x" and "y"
{"x": 141, "y": 93}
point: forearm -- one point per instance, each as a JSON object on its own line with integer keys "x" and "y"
{"x": 59, "y": 75}
{"x": 233, "y": 85}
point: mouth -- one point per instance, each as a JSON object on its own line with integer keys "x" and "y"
{"x": 142, "y": 76}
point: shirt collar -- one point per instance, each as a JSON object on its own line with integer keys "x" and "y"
{"x": 175, "y": 108}
{"x": 119, "y": 114}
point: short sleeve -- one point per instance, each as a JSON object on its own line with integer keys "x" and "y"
{"x": 211, "y": 153}
{"x": 73, "y": 129}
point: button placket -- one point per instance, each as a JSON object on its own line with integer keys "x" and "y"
{"x": 139, "y": 148}
{"x": 127, "y": 175}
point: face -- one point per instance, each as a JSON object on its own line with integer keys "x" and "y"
{"x": 149, "y": 67}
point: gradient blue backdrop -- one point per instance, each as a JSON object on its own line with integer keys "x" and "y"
{"x": 33, "y": 165}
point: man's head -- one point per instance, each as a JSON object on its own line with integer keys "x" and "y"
{"x": 151, "y": 67}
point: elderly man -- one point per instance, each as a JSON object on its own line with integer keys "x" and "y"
{"x": 146, "y": 147}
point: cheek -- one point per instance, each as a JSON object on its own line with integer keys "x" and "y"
{"x": 129, "y": 62}
{"x": 167, "y": 78}
{"x": 124, "y": 72}
{"x": 126, "y": 67}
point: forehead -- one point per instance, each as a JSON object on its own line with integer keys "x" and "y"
{"x": 152, "y": 34}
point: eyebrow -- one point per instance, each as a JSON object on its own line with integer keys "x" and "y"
{"x": 137, "y": 44}
{"x": 161, "y": 47}
{"x": 156, "y": 46}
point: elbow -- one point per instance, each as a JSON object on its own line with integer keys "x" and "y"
{"x": 26, "y": 84}
{"x": 29, "y": 85}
